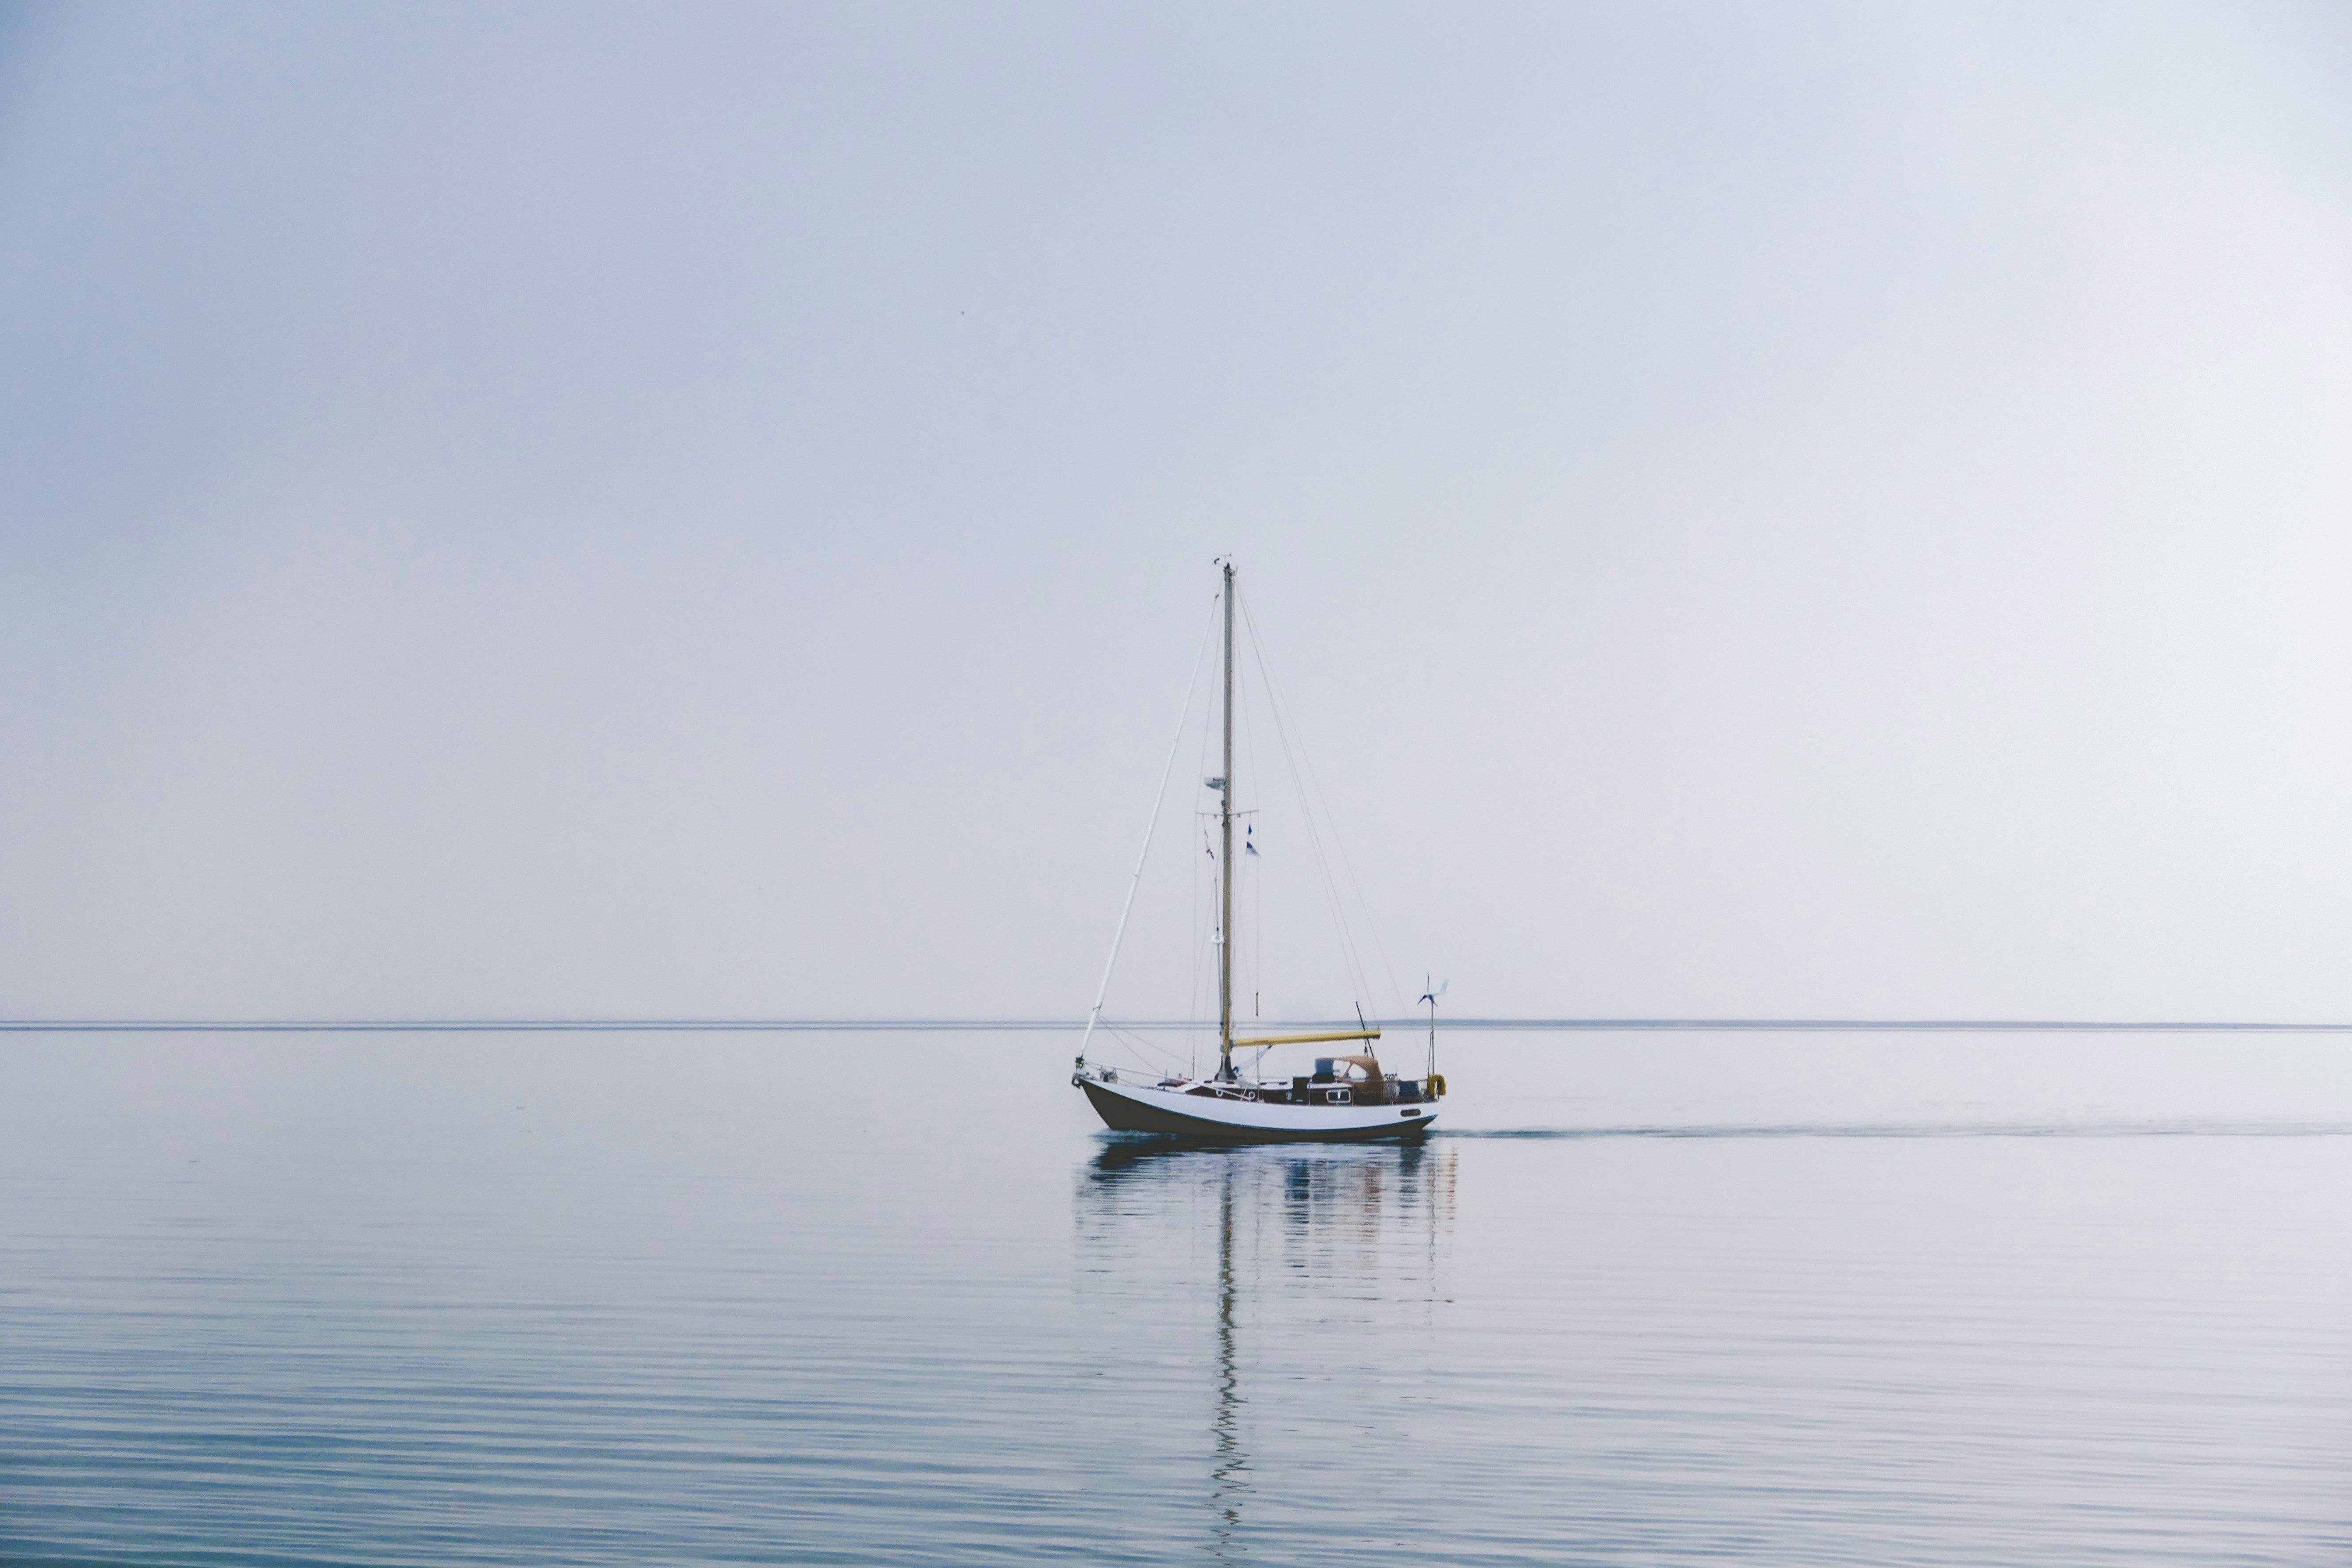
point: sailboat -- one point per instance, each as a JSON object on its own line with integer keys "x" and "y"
{"x": 1346, "y": 1098}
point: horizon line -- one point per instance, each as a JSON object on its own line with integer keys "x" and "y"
{"x": 1031, "y": 1026}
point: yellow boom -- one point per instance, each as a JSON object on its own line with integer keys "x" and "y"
{"x": 1308, "y": 1039}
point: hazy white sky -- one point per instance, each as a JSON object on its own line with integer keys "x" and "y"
{"x": 1841, "y": 510}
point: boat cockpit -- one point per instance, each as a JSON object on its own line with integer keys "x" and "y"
{"x": 1336, "y": 1080}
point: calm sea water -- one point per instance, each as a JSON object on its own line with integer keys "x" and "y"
{"x": 894, "y": 1300}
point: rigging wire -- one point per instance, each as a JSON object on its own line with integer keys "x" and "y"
{"x": 1285, "y": 724}
{"x": 1135, "y": 1042}
{"x": 1183, "y": 717}
{"x": 1256, "y": 874}
{"x": 1201, "y": 946}
{"x": 1332, "y": 902}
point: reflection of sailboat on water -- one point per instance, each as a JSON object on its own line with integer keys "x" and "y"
{"x": 1346, "y": 1098}
{"x": 1308, "y": 1244}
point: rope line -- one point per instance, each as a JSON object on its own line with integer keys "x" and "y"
{"x": 1285, "y": 728}
{"x": 1183, "y": 717}
{"x": 1339, "y": 844}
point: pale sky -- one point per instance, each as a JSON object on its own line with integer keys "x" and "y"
{"x": 1771, "y": 510}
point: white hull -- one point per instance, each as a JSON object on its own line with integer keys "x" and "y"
{"x": 1179, "y": 1112}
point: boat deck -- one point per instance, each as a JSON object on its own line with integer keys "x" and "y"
{"x": 1318, "y": 1090}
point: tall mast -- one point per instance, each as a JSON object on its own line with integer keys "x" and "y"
{"x": 1226, "y": 859}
